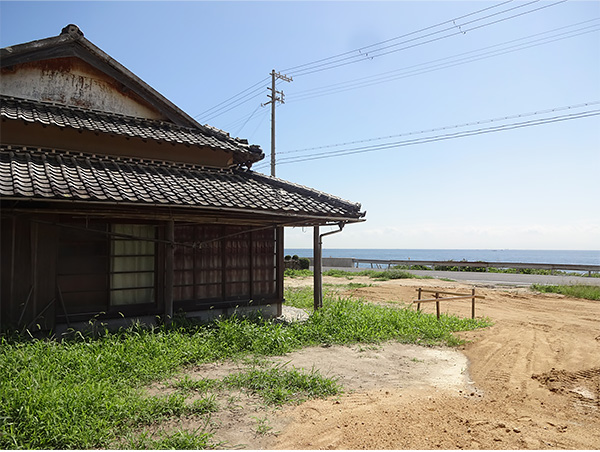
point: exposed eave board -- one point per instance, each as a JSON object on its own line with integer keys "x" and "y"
{"x": 31, "y": 175}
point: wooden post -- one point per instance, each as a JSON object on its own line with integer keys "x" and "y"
{"x": 25, "y": 307}
{"x": 473, "y": 304}
{"x": 169, "y": 268}
{"x": 419, "y": 304}
{"x": 279, "y": 267}
{"x": 318, "y": 268}
{"x": 437, "y": 305}
{"x": 11, "y": 299}
{"x": 34, "y": 234}
{"x": 62, "y": 304}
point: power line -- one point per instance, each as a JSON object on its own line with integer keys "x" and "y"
{"x": 361, "y": 49}
{"x": 443, "y": 137}
{"x": 242, "y": 122}
{"x": 458, "y": 27}
{"x": 262, "y": 118}
{"x": 492, "y": 23}
{"x": 236, "y": 122}
{"x": 317, "y": 66}
{"x": 248, "y": 119}
{"x": 227, "y": 107}
{"x": 444, "y": 63}
{"x": 455, "y": 126}
{"x": 450, "y": 136}
{"x": 234, "y": 102}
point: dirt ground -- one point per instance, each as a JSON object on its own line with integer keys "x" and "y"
{"x": 531, "y": 381}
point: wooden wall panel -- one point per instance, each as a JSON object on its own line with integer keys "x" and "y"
{"x": 17, "y": 307}
{"x": 263, "y": 263}
{"x": 230, "y": 264}
{"x": 83, "y": 266}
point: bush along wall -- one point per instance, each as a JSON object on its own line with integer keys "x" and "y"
{"x": 296, "y": 263}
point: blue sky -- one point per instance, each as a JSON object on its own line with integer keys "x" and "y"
{"x": 445, "y": 64}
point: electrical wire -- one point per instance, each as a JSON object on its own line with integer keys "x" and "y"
{"x": 234, "y": 104}
{"x": 445, "y": 63}
{"x": 326, "y": 63}
{"x": 262, "y": 118}
{"x": 455, "y": 126}
{"x": 458, "y": 27}
{"x": 248, "y": 119}
{"x": 443, "y": 137}
{"x": 361, "y": 49}
{"x": 448, "y": 136}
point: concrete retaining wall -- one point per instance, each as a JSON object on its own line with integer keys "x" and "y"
{"x": 334, "y": 262}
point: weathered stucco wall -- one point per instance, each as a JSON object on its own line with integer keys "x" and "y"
{"x": 71, "y": 81}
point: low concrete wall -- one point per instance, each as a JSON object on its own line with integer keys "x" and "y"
{"x": 334, "y": 262}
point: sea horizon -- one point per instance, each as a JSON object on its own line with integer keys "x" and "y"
{"x": 581, "y": 257}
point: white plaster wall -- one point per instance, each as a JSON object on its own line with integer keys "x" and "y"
{"x": 75, "y": 86}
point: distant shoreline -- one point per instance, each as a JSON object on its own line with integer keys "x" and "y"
{"x": 577, "y": 257}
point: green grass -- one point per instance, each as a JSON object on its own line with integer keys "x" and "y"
{"x": 378, "y": 275}
{"x": 302, "y": 297}
{"x": 278, "y": 385}
{"x": 291, "y": 273}
{"x": 89, "y": 392}
{"x": 358, "y": 285}
{"x": 262, "y": 425}
{"x": 348, "y": 321}
{"x": 399, "y": 272}
{"x": 576, "y": 291}
{"x": 368, "y": 323}
{"x": 178, "y": 440}
{"x": 187, "y": 384}
{"x": 83, "y": 393}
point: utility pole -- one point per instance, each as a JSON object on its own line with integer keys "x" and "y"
{"x": 279, "y": 230}
{"x": 274, "y": 99}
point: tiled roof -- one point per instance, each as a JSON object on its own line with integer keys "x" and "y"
{"x": 97, "y": 121}
{"x": 71, "y": 43}
{"x": 56, "y": 175}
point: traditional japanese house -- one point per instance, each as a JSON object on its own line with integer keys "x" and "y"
{"x": 117, "y": 204}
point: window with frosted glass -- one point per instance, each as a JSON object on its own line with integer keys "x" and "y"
{"x": 132, "y": 273}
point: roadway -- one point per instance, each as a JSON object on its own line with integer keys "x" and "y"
{"x": 488, "y": 278}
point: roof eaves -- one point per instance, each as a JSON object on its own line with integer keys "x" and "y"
{"x": 46, "y": 174}
{"x": 133, "y": 126}
{"x": 71, "y": 42}
{"x": 311, "y": 192}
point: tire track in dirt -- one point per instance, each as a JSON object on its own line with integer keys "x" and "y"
{"x": 537, "y": 341}
{"x": 582, "y": 386}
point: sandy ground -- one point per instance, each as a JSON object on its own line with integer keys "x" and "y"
{"x": 531, "y": 381}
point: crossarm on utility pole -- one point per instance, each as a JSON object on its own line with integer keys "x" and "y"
{"x": 274, "y": 99}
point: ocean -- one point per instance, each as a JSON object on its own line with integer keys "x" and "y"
{"x": 525, "y": 256}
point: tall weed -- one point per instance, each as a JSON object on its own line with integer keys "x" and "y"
{"x": 87, "y": 392}
{"x": 577, "y": 291}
